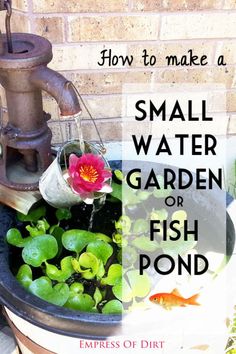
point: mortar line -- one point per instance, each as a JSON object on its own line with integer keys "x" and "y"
{"x": 139, "y": 13}
{"x": 144, "y": 69}
{"x": 98, "y": 95}
{"x": 149, "y": 41}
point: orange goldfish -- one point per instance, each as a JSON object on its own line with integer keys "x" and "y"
{"x": 169, "y": 300}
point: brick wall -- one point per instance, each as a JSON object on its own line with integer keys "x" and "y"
{"x": 80, "y": 29}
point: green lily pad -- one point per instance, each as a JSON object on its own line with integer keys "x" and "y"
{"x": 101, "y": 250}
{"x": 103, "y": 237}
{"x": 162, "y": 192}
{"x": 76, "y": 240}
{"x": 80, "y": 302}
{"x": 114, "y": 275}
{"x": 39, "y": 249}
{"x": 97, "y": 296}
{"x": 139, "y": 284}
{"x": 113, "y": 307}
{"x": 128, "y": 257}
{"x": 117, "y": 238}
{"x": 129, "y": 196}
{"x": 32, "y": 216}
{"x": 63, "y": 214}
{"x": 181, "y": 216}
{"x": 57, "y": 295}
{"x": 143, "y": 195}
{"x": 123, "y": 225}
{"x": 140, "y": 226}
{"x": 101, "y": 270}
{"x": 122, "y": 291}
{"x": 40, "y": 229}
{"x": 119, "y": 175}
{"x": 87, "y": 265}
{"x": 161, "y": 215}
{"x": 77, "y": 288}
{"x": 90, "y": 263}
{"x": 15, "y": 238}
{"x": 24, "y": 275}
{"x": 57, "y": 232}
{"x": 143, "y": 243}
{"x": 178, "y": 247}
{"x": 136, "y": 286}
{"x": 62, "y": 274}
{"x": 116, "y": 191}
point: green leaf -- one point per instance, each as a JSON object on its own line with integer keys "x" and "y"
{"x": 90, "y": 263}
{"x": 117, "y": 238}
{"x": 143, "y": 243}
{"x": 57, "y": 232}
{"x": 114, "y": 275}
{"x": 39, "y": 249}
{"x": 76, "y": 240}
{"x": 76, "y": 265}
{"x": 63, "y": 214}
{"x": 178, "y": 247}
{"x": 119, "y": 256}
{"x": 77, "y": 288}
{"x": 181, "y": 216}
{"x": 40, "y": 229}
{"x": 140, "y": 226}
{"x": 122, "y": 291}
{"x": 62, "y": 274}
{"x": 129, "y": 256}
{"x": 15, "y": 238}
{"x": 116, "y": 191}
{"x": 162, "y": 192}
{"x": 129, "y": 196}
{"x": 57, "y": 295}
{"x": 113, "y": 307}
{"x": 139, "y": 284}
{"x": 119, "y": 175}
{"x": 24, "y": 276}
{"x": 161, "y": 215}
{"x": 143, "y": 195}
{"x": 80, "y": 302}
{"x": 100, "y": 236}
{"x": 117, "y": 290}
{"x": 87, "y": 264}
{"x": 101, "y": 270}
{"x": 123, "y": 225}
{"x": 97, "y": 296}
{"x": 101, "y": 250}
{"x": 32, "y": 216}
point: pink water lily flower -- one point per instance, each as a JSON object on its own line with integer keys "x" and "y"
{"x": 87, "y": 174}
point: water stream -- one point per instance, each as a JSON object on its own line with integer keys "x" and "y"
{"x": 97, "y": 205}
{"x": 99, "y": 202}
{"x": 80, "y": 133}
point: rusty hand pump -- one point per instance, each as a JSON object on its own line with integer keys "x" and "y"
{"x": 24, "y": 74}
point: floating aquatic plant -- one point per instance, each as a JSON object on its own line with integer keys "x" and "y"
{"x": 93, "y": 271}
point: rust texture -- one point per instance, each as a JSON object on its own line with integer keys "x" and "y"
{"x": 24, "y": 74}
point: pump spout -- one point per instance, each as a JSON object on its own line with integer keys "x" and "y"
{"x": 58, "y": 87}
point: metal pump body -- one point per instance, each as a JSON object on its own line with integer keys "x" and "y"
{"x": 24, "y": 74}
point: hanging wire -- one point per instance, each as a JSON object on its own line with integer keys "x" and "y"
{"x": 101, "y": 144}
{"x": 78, "y": 122}
{"x": 8, "y": 25}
